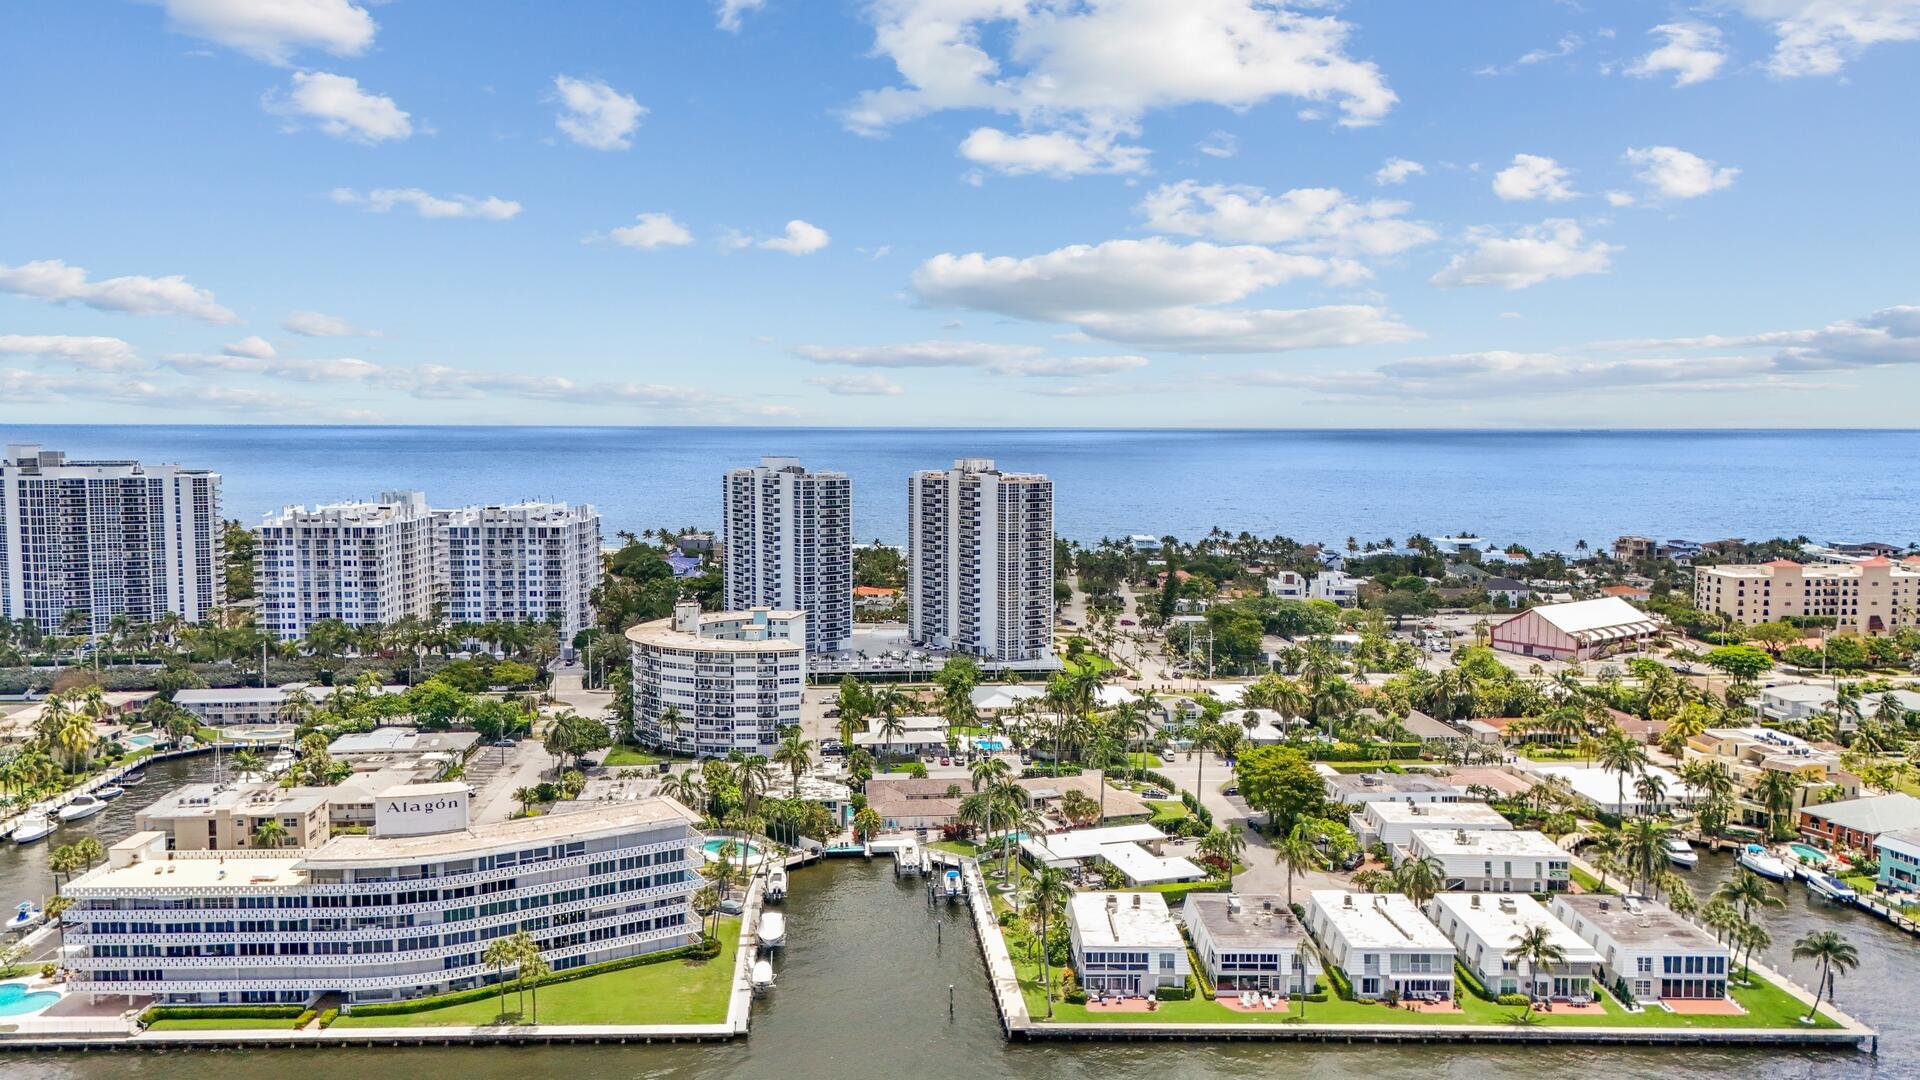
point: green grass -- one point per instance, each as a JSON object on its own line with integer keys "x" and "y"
{"x": 1091, "y": 662}
{"x": 1167, "y": 811}
{"x": 670, "y": 992}
{"x": 283, "y": 1023}
{"x": 1587, "y": 882}
{"x": 965, "y": 848}
{"x": 628, "y": 755}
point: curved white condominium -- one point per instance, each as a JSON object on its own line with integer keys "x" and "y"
{"x": 732, "y": 679}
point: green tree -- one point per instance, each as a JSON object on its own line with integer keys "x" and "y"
{"x": 1297, "y": 852}
{"x": 1835, "y": 955}
{"x": 1280, "y": 781}
{"x": 1536, "y": 949}
{"x": 1047, "y": 896}
{"x": 1743, "y": 663}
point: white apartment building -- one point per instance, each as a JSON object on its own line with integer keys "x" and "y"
{"x": 1336, "y": 585}
{"x": 527, "y": 562}
{"x": 1287, "y": 585}
{"x": 1873, "y": 596}
{"x": 225, "y": 706}
{"x": 1249, "y": 942}
{"x": 1381, "y": 942}
{"x": 1393, "y": 823}
{"x": 789, "y": 546}
{"x": 1521, "y": 861}
{"x": 363, "y": 563}
{"x": 980, "y": 561}
{"x": 1484, "y": 929}
{"x": 1125, "y": 943}
{"x": 106, "y": 539}
{"x": 1642, "y": 943}
{"x": 733, "y": 679}
{"x": 405, "y": 911}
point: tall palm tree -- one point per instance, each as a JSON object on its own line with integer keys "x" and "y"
{"x": 671, "y": 721}
{"x": 1420, "y": 879}
{"x": 1047, "y": 896}
{"x": 796, "y": 753}
{"x": 500, "y": 955}
{"x": 1777, "y": 791}
{"x": 1745, "y": 891}
{"x": 1643, "y": 847}
{"x": 1296, "y": 850}
{"x": 989, "y": 773}
{"x": 1836, "y": 956}
{"x": 1226, "y": 844}
{"x": 1535, "y": 948}
{"x": 533, "y": 966}
{"x": 1619, "y": 754}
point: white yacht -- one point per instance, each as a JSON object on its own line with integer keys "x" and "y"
{"x": 762, "y": 976}
{"x": 1828, "y": 887}
{"x": 777, "y": 883}
{"x": 82, "y": 806}
{"x": 1681, "y": 854}
{"x": 32, "y": 827}
{"x": 773, "y": 930}
{"x": 1765, "y": 863}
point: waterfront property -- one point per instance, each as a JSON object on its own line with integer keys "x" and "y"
{"x": 1898, "y": 852}
{"x": 1249, "y": 942}
{"x": 1125, "y": 943}
{"x": 789, "y": 546}
{"x": 234, "y": 817}
{"x": 906, "y": 803}
{"x": 229, "y": 706}
{"x": 1854, "y": 823}
{"x": 1647, "y": 948}
{"x": 1485, "y": 929}
{"x": 1359, "y": 789}
{"x": 1580, "y": 630}
{"x": 1482, "y": 860}
{"x": 732, "y": 679}
{"x": 1611, "y": 793}
{"x": 1381, "y": 944}
{"x": 1873, "y": 596}
{"x": 1132, "y": 851}
{"x": 1392, "y": 823}
{"x": 403, "y": 912}
{"x": 980, "y": 561}
{"x": 1751, "y": 752}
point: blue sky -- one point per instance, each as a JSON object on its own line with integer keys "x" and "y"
{"x": 961, "y": 212}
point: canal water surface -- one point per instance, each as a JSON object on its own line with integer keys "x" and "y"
{"x": 870, "y": 971}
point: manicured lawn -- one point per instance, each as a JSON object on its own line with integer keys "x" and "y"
{"x": 965, "y": 848}
{"x": 1167, "y": 811}
{"x": 670, "y": 992}
{"x": 629, "y": 755}
{"x": 284, "y": 1023}
{"x": 1587, "y": 882}
{"x": 1089, "y": 662}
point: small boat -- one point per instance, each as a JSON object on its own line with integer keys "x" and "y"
{"x": 133, "y": 779}
{"x": 1765, "y": 863}
{"x": 24, "y": 916}
{"x": 952, "y": 885}
{"x": 1680, "y": 853}
{"x": 1828, "y": 887}
{"x": 777, "y": 883}
{"x": 111, "y": 791}
{"x": 82, "y": 806}
{"x": 773, "y": 930}
{"x": 32, "y": 827}
{"x": 762, "y": 976}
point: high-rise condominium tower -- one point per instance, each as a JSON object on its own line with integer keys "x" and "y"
{"x": 980, "y": 561}
{"x": 789, "y": 544}
{"x": 529, "y": 562}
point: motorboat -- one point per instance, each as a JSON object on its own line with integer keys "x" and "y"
{"x": 82, "y": 806}
{"x": 132, "y": 779}
{"x": 1765, "y": 863}
{"x": 32, "y": 827}
{"x": 777, "y": 883}
{"x": 953, "y": 885}
{"x": 1828, "y": 887}
{"x": 111, "y": 791}
{"x": 25, "y": 916}
{"x": 773, "y": 930}
{"x": 762, "y": 976}
{"x": 1680, "y": 853}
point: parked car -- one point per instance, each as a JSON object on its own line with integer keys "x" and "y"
{"x": 1154, "y": 793}
{"x": 1230, "y": 789}
{"x": 1126, "y": 622}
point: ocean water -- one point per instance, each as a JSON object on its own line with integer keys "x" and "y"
{"x": 1544, "y": 489}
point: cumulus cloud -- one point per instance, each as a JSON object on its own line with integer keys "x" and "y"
{"x": 596, "y": 115}
{"x": 273, "y": 30}
{"x": 93, "y": 391}
{"x": 1690, "y": 51}
{"x": 800, "y": 238}
{"x": 1397, "y": 170}
{"x": 1820, "y": 37}
{"x": 87, "y": 353}
{"x": 1220, "y": 144}
{"x": 727, "y": 13}
{"x": 1305, "y": 219}
{"x": 866, "y": 384}
{"x": 1017, "y": 360}
{"x": 1533, "y": 177}
{"x": 345, "y": 369}
{"x": 53, "y": 280}
{"x": 337, "y": 105}
{"x": 650, "y": 231}
{"x": 253, "y": 347}
{"x": 1051, "y": 153}
{"x": 319, "y": 324}
{"x": 1675, "y": 174}
{"x": 1552, "y": 250}
{"x": 381, "y": 200}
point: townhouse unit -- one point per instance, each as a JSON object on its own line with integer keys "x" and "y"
{"x": 1287, "y": 585}
{"x": 1382, "y": 944}
{"x": 710, "y": 684}
{"x": 1335, "y": 586}
{"x": 1898, "y": 851}
{"x": 789, "y": 546}
{"x": 1359, "y": 789}
{"x": 404, "y": 911}
{"x": 362, "y": 563}
{"x": 1479, "y": 860}
{"x": 526, "y": 562}
{"x": 980, "y": 561}
{"x": 230, "y": 817}
{"x": 1874, "y": 596}
{"x": 1798, "y": 701}
{"x": 1392, "y": 823}
{"x": 1485, "y": 930}
{"x": 1249, "y": 942}
{"x": 1751, "y": 752}
{"x": 1125, "y": 943}
{"x": 1854, "y": 824}
{"x": 83, "y": 543}
{"x": 1648, "y": 948}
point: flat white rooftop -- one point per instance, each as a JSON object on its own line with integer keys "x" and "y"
{"x": 1498, "y": 920}
{"x": 1470, "y": 815}
{"x": 1110, "y": 920}
{"x": 1379, "y": 921}
{"x": 1525, "y": 843}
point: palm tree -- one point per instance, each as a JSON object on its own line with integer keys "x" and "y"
{"x": 671, "y": 721}
{"x": 706, "y": 901}
{"x": 1643, "y": 846}
{"x": 1535, "y": 948}
{"x": 1619, "y": 754}
{"x": 1777, "y": 791}
{"x": 1836, "y": 956}
{"x": 685, "y": 788}
{"x": 866, "y": 822}
{"x": 526, "y": 797}
{"x": 990, "y": 773}
{"x": 533, "y": 966}
{"x": 269, "y": 833}
{"x": 796, "y": 753}
{"x": 1420, "y": 879}
{"x": 1226, "y": 844}
{"x": 1047, "y": 894}
{"x": 500, "y": 955}
{"x": 1296, "y": 850}
{"x": 1746, "y": 890}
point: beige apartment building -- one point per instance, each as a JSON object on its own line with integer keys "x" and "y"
{"x": 1873, "y": 596}
{"x": 225, "y": 817}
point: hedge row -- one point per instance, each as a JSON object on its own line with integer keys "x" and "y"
{"x": 1471, "y": 981}
{"x": 1183, "y": 992}
{"x": 708, "y": 948}
{"x": 1199, "y": 974}
{"x": 220, "y": 1012}
{"x": 1341, "y": 987}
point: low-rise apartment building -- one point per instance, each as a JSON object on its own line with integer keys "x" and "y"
{"x": 1521, "y": 861}
{"x": 1751, "y": 752}
{"x": 1125, "y": 943}
{"x": 1646, "y": 947}
{"x": 1392, "y": 823}
{"x": 1485, "y": 929}
{"x": 1249, "y": 942}
{"x": 230, "y": 817}
{"x": 1382, "y": 943}
{"x": 1873, "y": 596}
{"x": 228, "y": 706}
{"x": 1359, "y": 789}
{"x": 1898, "y": 852}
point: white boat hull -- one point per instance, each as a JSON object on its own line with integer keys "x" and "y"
{"x": 80, "y": 811}
{"x": 773, "y": 931}
{"x": 1685, "y": 860}
{"x": 27, "y": 834}
{"x": 1766, "y": 866}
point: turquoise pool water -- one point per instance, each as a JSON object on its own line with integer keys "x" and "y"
{"x": 1808, "y": 854}
{"x": 15, "y": 1001}
{"x": 714, "y": 843}
{"x": 139, "y": 742}
{"x": 992, "y": 746}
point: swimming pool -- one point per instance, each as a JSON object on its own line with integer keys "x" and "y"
{"x": 139, "y": 742}
{"x": 16, "y": 1001}
{"x": 715, "y": 843}
{"x": 1811, "y": 855}
{"x": 991, "y": 746}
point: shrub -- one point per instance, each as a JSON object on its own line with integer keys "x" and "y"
{"x": 1341, "y": 986}
{"x": 305, "y": 1018}
{"x": 219, "y": 1012}
{"x": 1471, "y": 981}
{"x": 1511, "y": 999}
{"x": 1175, "y": 993}
{"x": 1076, "y": 996}
{"x": 327, "y": 1018}
{"x": 1317, "y": 995}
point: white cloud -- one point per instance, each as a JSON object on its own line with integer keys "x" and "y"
{"x": 318, "y": 324}
{"x": 1397, "y": 170}
{"x": 1551, "y": 250}
{"x": 596, "y": 115}
{"x": 1308, "y": 219}
{"x": 1692, "y": 52}
{"x": 1887, "y": 337}
{"x": 1220, "y": 144}
{"x": 1053, "y": 153}
{"x": 88, "y": 353}
{"x": 1675, "y": 174}
{"x": 340, "y": 108}
{"x": 651, "y": 230}
{"x": 254, "y": 347}
{"x": 1620, "y": 198}
{"x": 54, "y": 280}
{"x": 1533, "y": 177}
{"x": 273, "y": 30}
{"x": 1017, "y": 360}
{"x": 381, "y": 200}
{"x": 866, "y": 384}
{"x": 727, "y": 13}
{"x": 800, "y": 238}
{"x": 93, "y": 391}
{"x": 1820, "y": 37}
{"x": 344, "y": 369}
{"x": 1505, "y": 374}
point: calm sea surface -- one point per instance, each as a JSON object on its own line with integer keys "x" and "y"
{"x": 1542, "y": 489}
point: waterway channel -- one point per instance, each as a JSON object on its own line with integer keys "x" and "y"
{"x": 864, "y": 995}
